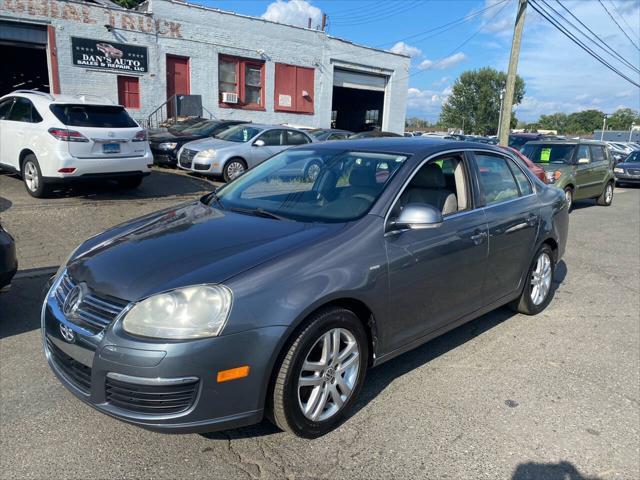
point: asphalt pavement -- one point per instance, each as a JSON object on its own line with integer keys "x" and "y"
{"x": 506, "y": 396}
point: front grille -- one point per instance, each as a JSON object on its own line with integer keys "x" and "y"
{"x": 95, "y": 311}
{"x": 151, "y": 399}
{"x": 186, "y": 157}
{"x": 633, "y": 171}
{"x": 77, "y": 373}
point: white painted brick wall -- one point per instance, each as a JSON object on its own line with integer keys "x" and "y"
{"x": 206, "y": 33}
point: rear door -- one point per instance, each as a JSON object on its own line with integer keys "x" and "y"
{"x": 5, "y": 137}
{"x": 599, "y": 167}
{"x": 585, "y": 177}
{"x": 513, "y": 215}
{"x": 109, "y": 131}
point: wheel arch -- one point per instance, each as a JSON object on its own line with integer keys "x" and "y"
{"x": 23, "y": 154}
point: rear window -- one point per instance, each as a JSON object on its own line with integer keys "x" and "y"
{"x": 549, "y": 153}
{"x": 101, "y": 116}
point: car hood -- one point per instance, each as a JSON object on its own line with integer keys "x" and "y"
{"x": 216, "y": 143}
{"x": 188, "y": 245}
{"x": 628, "y": 165}
{"x": 162, "y": 137}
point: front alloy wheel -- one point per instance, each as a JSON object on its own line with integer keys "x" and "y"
{"x": 321, "y": 374}
{"x": 233, "y": 169}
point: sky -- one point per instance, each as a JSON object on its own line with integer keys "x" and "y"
{"x": 559, "y": 76}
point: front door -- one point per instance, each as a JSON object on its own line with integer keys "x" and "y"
{"x": 436, "y": 275}
{"x": 178, "y": 82}
{"x": 5, "y": 136}
{"x": 513, "y": 216}
{"x": 274, "y": 142}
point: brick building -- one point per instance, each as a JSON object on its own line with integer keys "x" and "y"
{"x": 242, "y": 67}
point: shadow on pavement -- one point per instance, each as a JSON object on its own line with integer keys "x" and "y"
{"x": 5, "y": 204}
{"x": 20, "y": 306}
{"x": 549, "y": 471}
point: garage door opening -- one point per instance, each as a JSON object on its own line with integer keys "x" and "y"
{"x": 23, "y": 47}
{"x": 356, "y": 110}
{"x": 358, "y": 100}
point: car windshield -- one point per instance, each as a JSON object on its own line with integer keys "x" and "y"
{"x": 204, "y": 128}
{"x": 239, "y": 133}
{"x": 632, "y": 157}
{"x": 549, "y": 152}
{"x": 318, "y": 133}
{"x": 101, "y": 116}
{"x": 312, "y": 185}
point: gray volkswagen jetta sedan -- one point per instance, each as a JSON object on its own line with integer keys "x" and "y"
{"x": 280, "y": 291}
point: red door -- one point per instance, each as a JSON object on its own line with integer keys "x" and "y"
{"x": 177, "y": 78}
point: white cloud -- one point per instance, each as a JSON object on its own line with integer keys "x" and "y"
{"x": 426, "y": 102}
{"x": 293, "y": 12}
{"x": 443, "y": 64}
{"x": 406, "y": 49}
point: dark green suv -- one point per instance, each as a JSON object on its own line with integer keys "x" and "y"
{"x": 582, "y": 168}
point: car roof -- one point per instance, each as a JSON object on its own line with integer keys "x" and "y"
{"x": 413, "y": 146}
{"x": 43, "y": 98}
{"x": 567, "y": 142}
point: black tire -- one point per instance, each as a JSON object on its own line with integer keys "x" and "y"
{"x": 606, "y": 197}
{"x": 32, "y": 177}
{"x": 525, "y": 304}
{"x": 228, "y": 172}
{"x": 286, "y": 411}
{"x": 130, "y": 182}
{"x": 568, "y": 193}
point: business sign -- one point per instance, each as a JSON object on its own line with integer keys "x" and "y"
{"x": 108, "y": 55}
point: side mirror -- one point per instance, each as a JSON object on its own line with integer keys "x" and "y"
{"x": 259, "y": 143}
{"x": 417, "y": 216}
{"x": 583, "y": 161}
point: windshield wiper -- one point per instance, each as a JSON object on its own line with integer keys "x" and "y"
{"x": 213, "y": 197}
{"x": 258, "y": 212}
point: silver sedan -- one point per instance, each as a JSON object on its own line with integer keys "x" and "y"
{"x": 240, "y": 147}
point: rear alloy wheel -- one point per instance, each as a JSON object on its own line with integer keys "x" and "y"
{"x": 607, "y": 195}
{"x": 321, "y": 375}
{"x": 568, "y": 195}
{"x": 233, "y": 169}
{"x": 32, "y": 177}
{"x": 536, "y": 293}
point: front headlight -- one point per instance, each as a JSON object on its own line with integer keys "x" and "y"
{"x": 184, "y": 313}
{"x": 618, "y": 170}
{"x": 167, "y": 146}
{"x": 208, "y": 153}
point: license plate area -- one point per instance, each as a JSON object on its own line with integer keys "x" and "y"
{"x": 110, "y": 148}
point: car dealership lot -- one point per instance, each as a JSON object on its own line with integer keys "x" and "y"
{"x": 505, "y": 396}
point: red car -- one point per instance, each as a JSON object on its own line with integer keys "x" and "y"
{"x": 537, "y": 171}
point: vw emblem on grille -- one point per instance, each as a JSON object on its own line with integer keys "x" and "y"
{"x": 74, "y": 300}
{"x": 68, "y": 334}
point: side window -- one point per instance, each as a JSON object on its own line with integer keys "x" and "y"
{"x": 272, "y": 137}
{"x": 523, "y": 182}
{"x": 21, "y": 111}
{"x": 583, "y": 152}
{"x": 5, "y": 106}
{"x": 337, "y": 136}
{"x": 496, "y": 179}
{"x": 444, "y": 188}
{"x": 597, "y": 154}
{"x": 296, "y": 138}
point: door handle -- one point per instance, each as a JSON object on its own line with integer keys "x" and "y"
{"x": 532, "y": 220}
{"x": 478, "y": 238}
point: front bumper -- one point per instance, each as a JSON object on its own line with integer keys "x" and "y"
{"x": 628, "y": 177}
{"x": 168, "y": 387}
{"x": 164, "y": 157}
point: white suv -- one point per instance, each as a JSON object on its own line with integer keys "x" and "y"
{"x": 53, "y": 139}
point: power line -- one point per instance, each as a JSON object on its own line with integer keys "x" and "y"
{"x": 379, "y": 16}
{"x": 604, "y": 47}
{"x": 363, "y": 12}
{"x": 547, "y": 16}
{"x": 616, "y": 22}
{"x": 622, "y": 17}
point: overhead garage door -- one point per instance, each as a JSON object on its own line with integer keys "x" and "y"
{"x": 359, "y": 80}
{"x": 23, "y": 46}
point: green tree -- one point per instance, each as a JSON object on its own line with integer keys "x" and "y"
{"x": 554, "y": 121}
{"x": 584, "y": 122}
{"x": 128, "y": 3}
{"x": 475, "y": 101}
{"x": 622, "y": 119}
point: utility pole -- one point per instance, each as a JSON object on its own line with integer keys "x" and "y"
{"x": 631, "y": 131}
{"x": 604, "y": 125}
{"x": 507, "y": 104}
{"x": 500, "y": 117}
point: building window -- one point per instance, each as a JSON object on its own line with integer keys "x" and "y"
{"x": 244, "y": 78}
{"x": 294, "y": 88}
{"x": 372, "y": 117}
{"x": 129, "y": 91}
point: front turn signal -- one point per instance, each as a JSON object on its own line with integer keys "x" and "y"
{"x": 233, "y": 373}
